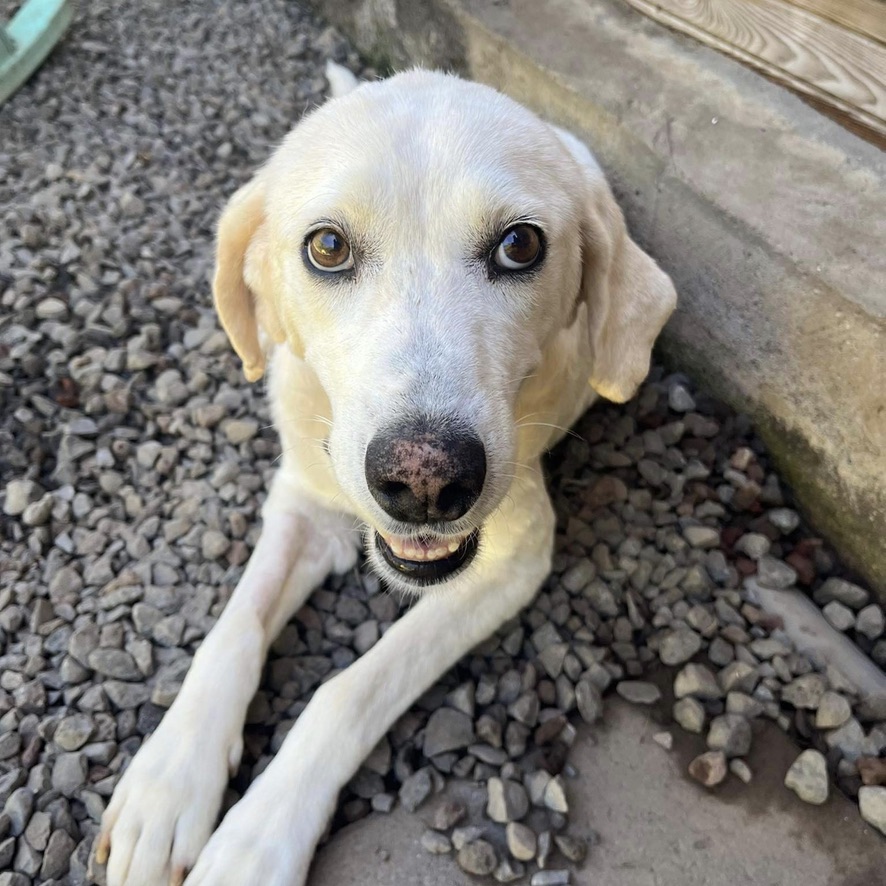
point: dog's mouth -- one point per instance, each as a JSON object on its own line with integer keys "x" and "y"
{"x": 427, "y": 559}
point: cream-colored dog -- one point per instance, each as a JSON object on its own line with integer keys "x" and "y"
{"x": 438, "y": 283}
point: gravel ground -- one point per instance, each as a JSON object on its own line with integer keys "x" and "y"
{"x": 134, "y": 458}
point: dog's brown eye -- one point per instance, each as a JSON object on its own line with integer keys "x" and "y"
{"x": 519, "y": 249}
{"x": 329, "y": 251}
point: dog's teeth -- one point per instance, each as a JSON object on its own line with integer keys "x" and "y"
{"x": 422, "y": 552}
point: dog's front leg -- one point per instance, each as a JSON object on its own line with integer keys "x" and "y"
{"x": 269, "y": 837}
{"x": 166, "y": 804}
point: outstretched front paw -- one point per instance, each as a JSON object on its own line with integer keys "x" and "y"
{"x": 166, "y": 804}
{"x": 268, "y": 837}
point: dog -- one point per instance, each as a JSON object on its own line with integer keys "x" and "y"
{"x": 438, "y": 284}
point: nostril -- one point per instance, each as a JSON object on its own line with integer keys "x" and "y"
{"x": 392, "y": 488}
{"x": 454, "y": 497}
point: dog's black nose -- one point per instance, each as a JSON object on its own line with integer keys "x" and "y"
{"x": 425, "y": 471}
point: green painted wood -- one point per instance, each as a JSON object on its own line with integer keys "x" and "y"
{"x": 29, "y": 38}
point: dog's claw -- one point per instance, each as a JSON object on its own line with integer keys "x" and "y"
{"x": 103, "y": 847}
{"x": 178, "y": 875}
{"x": 234, "y": 756}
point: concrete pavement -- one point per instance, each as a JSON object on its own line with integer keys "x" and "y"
{"x": 656, "y": 826}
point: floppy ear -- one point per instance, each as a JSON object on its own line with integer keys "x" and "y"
{"x": 242, "y": 287}
{"x": 629, "y": 297}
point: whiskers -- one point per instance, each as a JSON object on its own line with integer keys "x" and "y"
{"x": 320, "y": 442}
{"x": 522, "y": 423}
{"x": 515, "y": 383}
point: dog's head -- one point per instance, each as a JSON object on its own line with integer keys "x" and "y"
{"x": 421, "y": 242}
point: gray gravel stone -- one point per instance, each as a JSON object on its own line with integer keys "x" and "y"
{"x": 57, "y": 857}
{"x": 784, "y": 519}
{"x": 841, "y": 591}
{"x": 27, "y": 859}
{"x": 741, "y": 770}
{"x": 545, "y": 845}
{"x": 730, "y": 733}
{"x": 462, "y": 836}
{"x": 19, "y": 494}
{"x": 774, "y": 573}
{"x": 550, "y": 878}
{"x": 679, "y": 646}
{"x": 848, "y": 739}
{"x": 808, "y": 777}
{"x": 10, "y": 745}
{"x": 536, "y": 783}
{"x": 839, "y": 616}
{"x": 126, "y": 695}
{"x": 37, "y": 513}
{"x": 552, "y": 658}
{"x": 416, "y": 789}
{"x": 555, "y": 795}
{"x": 806, "y": 691}
{"x": 833, "y": 711}
{"x": 589, "y": 701}
{"x": 697, "y": 680}
{"x": 690, "y": 714}
{"x": 168, "y": 631}
{"x": 114, "y": 663}
{"x": 18, "y": 808}
{"x": 680, "y": 400}
{"x": 574, "y": 849}
{"x": 383, "y": 803}
{"x": 83, "y": 641}
{"x": 447, "y": 814}
{"x": 69, "y": 773}
{"x": 448, "y": 730}
{"x": 506, "y": 800}
{"x": 214, "y": 544}
{"x": 240, "y": 430}
{"x": 709, "y": 768}
{"x": 754, "y": 545}
{"x": 745, "y": 705}
{"x": 738, "y": 675}
{"x": 522, "y": 841}
{"x": 577, "y": 577}
{"x": 525, "y": 709}
{"x": 703, "y": 537}
{"x": 663, "y": 739}
{"x": 872, "y": 804}
{"x": 870, "y": 622}
{"x": 38, "y": 830}
{"x": 638, "y": 692}
{"x": 7, "y": 852}
{"x": 436, "y": 843}
{"x": 477, "y": 858}
{"x": 509, "y": 871}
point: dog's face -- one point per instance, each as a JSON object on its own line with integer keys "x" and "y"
{"x": 420, "y": 242}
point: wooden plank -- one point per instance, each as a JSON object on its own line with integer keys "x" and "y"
{"x": 867, "y": 17}
{"x": 809, "y": 54}
{"x": 874, "y": 136}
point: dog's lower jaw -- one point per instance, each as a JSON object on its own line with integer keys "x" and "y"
{"x": 411, "y": 576}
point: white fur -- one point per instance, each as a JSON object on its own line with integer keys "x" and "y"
{"x": 417, "y": 170}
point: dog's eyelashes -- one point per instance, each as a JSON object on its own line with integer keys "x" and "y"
{"x": 329, "y": 251}
{"x": 519, "y": 249}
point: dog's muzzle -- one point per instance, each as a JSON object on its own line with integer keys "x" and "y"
{"x": 427, "y": 560}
